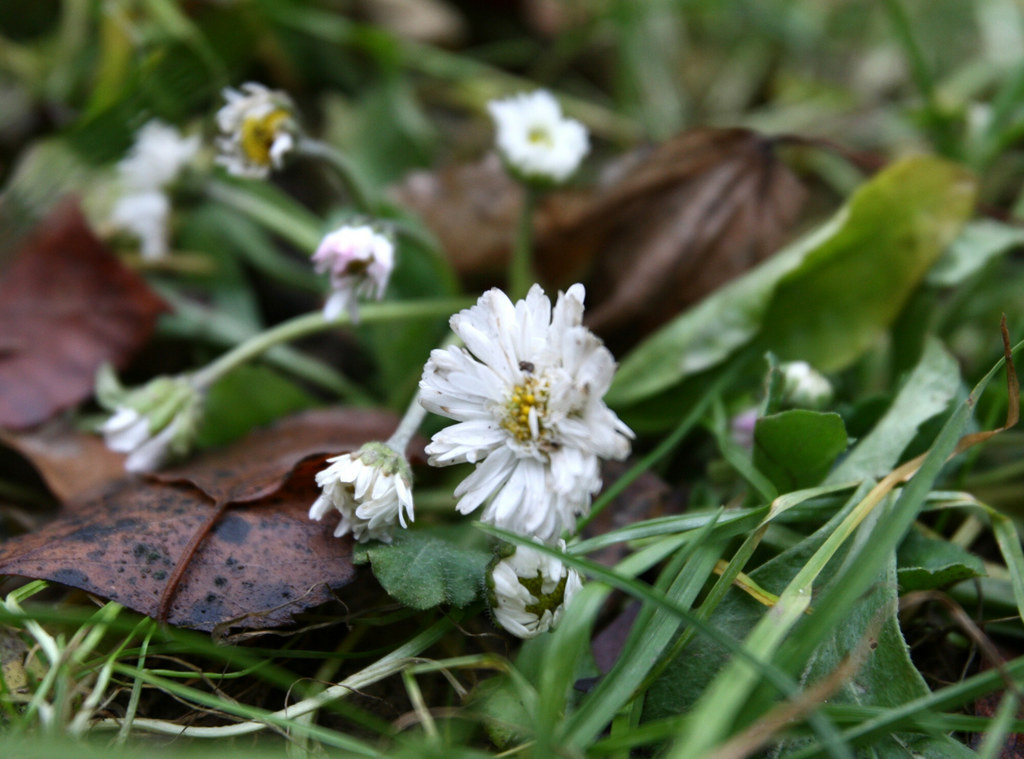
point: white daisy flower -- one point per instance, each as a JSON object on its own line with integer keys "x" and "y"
{"x": 526, "y": 392}
{"x": 152, "y": 424}
{"x": 530, "y": 591}
{"x": 145, "y": 215}
{"x": 153, "y": 163}
{"x": 536, "y": 142}
{"x": 360, "y": 262}
{"x": 371, "y": 489}
{"x": 804, "y": 386}
{"x": 157, "y": 156}
{"x": 258, "y": 129}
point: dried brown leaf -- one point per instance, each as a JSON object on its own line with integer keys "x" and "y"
{"x": 67, "y": 305}
{"x": 666, "y": 227}
{"x": 71, "y": 462}
{"x": 125, "y": 543}
{"x": 224, "y": 538}
{"x": 699, "y": 210}
{"x": 257, "y": 465}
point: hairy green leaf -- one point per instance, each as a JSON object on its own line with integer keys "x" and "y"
{"x": 430, "y": 566}
{"x": 926, "y": 563}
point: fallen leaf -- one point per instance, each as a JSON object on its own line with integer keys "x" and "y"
{"x": 665, "y": 228}
{"x": 67, "y": 305}
{"x": 699, "y": 210}
{"x": 70, "y": 461}
{"x": 269, "y": 561}
{"x": 225, "y": 539}
{"x": 260, "y": 463}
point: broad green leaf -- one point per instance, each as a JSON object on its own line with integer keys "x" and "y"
{"x": 846, "y": 293}
{"x": 978, "y": 243}
{"x": 827, "y": 297}
{"x": 796, "y": 448}
{"x": 245, "y": 398}
{"x": 430, "y": 566}
{"x": 928, "y": 391}
{"x": 926, "y": 563}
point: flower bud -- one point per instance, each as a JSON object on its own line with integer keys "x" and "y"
{"x": 152, "y": 424}
{"x": 803, "y": 386}
{"x": 359, "y": 261}
{"x": 530, "y": 590}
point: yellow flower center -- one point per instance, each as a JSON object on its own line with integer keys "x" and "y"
{"x": 540, "y": 136}
{"x": 529, "y": 398}
{"x": 259, "y": 133}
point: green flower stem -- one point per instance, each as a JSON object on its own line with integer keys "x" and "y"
{"x": 361, "y": 196}
{"x": 308, "y": 324}
{"x": 416, "y": 413}
{"x": 411, "y": 421}
{"x": 275, "y": 212}
{"x": 520, "y": 271}
{"x": 196, "y": 322}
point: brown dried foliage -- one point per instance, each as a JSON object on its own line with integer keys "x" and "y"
{"x": 696, "y": 212}
{"x": 67, "y": 305}
{"x": 223, "y": 540}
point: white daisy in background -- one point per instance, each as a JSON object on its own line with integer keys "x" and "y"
{"x": 371, "y": 489}
{"x": 258, "y": 130}
{"x": 359, "y": 261}
{"x": 158, "y": 155}
{"x": 530, "y": 590}
{"x": 152, "y": 424}
{"x": 803, "y": 386}
{"x": 526, "y": 392}
{"x": 536, "y": 142}
{"x": 145, "y": 214}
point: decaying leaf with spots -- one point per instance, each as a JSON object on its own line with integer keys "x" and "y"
{"x": 223, "y": 540}
{"x": 67, "y": 305}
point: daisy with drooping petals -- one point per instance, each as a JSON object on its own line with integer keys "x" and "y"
{"x": 153, "y": 423}
{"x": 371, "y": 489}
{"x": 537, "y": 143}
{"x": 530, "y": 590}
{"x": 258, "y": 128}
{"x": 360, "y": 261}
{"x": 526, "y": 392}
